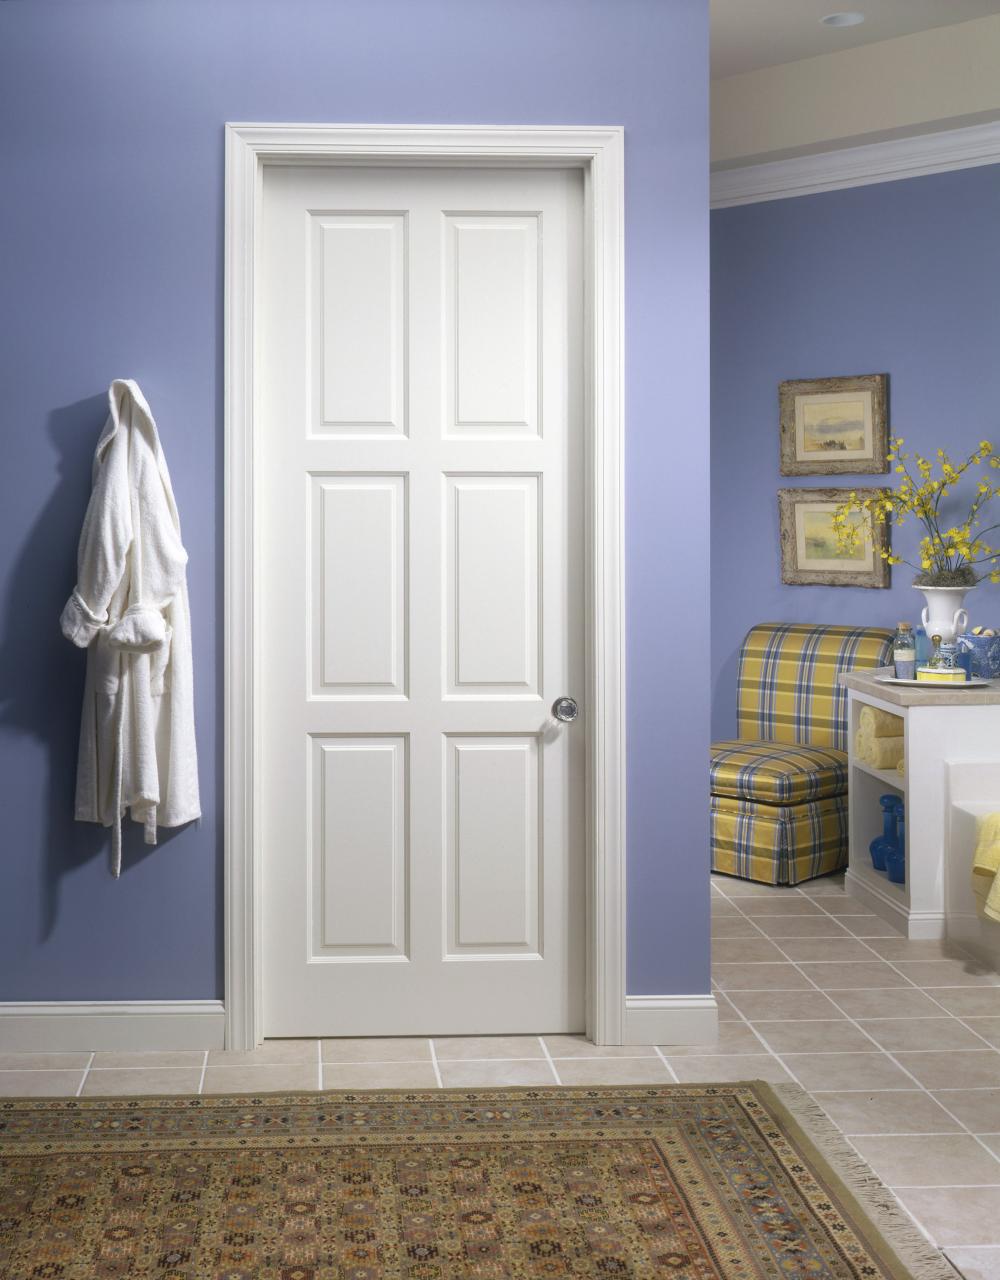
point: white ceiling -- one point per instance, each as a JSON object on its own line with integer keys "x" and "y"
{"x": 749, "y": 34}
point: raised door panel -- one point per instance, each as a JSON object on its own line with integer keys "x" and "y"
{"x": 493, "y": 861}
{"x": 493, "y": 586}
{"x": 358, "y": 586}
{"x": 358, "y": 317}
{"x": 492, "y": 363}
{"x": 359, "y": 882}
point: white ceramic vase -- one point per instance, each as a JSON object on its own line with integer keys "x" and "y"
{"x": 944, "y": 614}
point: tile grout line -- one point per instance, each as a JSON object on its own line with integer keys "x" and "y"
{"x": 672, "y": 1073}
{"x": 941, "y": 986}
{"x": 945, "y": 1013}
{"x": 927, "y": 1133}
{"x": 777, "y": 1056}
{"x": 434, "y": 1063}
{"x": 966, "y": 1018}
{"x": 348, "y": 1062}
{"x": 924, "y": 1231}
{"x": 940, "y": 1186}
{"x": 746, "y": 1021}
{"x": 899, "y": 1088}
{"x": 893, "y": 1059}
{"x": 548, "y": 1059}
{"x": 902, "y": 1017}
{"x": 749, "y": 964}
{"x": 204, "y": 1068}
{"x": 86, "y": 1073}
{"x": 843, "y": 1053}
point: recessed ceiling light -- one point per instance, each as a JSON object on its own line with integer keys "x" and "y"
{"x": 848, "y": 19}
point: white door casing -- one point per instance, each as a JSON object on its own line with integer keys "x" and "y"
{"x": 362, "y": 403}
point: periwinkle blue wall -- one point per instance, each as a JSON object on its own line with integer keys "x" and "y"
{"x": 900, "y": 278}
{"x": 111, "y": 155}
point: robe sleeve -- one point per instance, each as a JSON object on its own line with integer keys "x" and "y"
{"x": 104, "y": 546}
{"x": 159, "y": 560}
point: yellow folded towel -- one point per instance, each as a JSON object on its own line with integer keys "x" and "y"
{"x": 886, "y": 753}
{"x": 880, "y": 724}
{"x": 986, "y": 865}
{"x": 901, "y": 765}
{"x": 880, "y": 753}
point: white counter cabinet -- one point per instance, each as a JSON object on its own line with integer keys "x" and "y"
{"x": 941, "y": 728}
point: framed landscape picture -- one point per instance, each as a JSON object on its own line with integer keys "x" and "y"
{"x": 834, "y": 426}
{"x": 810, "y": 555}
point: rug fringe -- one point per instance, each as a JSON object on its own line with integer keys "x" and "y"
{"x": 922, "y": 1260}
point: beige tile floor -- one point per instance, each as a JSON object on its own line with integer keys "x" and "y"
{"x": 896, "y": 1040}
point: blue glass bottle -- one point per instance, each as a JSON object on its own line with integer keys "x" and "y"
{"x": 895, "y": 858}
{"x": 881, "y": 845}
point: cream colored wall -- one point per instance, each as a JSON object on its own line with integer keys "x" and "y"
{"x": 939, "y": 79}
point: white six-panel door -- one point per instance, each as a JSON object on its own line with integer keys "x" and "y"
{"x": 421, "y": 418}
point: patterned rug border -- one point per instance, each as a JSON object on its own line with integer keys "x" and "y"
{"x": 863, "y": 1199}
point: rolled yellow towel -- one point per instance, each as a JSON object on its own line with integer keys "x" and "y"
{"x": 880, "y": 724}
{"x": 986, "y": 864}
{"x": 862, "y": 745}
{"x": 901, "y": 765}
{"x": 886, "y": 753}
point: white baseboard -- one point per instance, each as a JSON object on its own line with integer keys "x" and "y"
{"x": 918, "y": 925}
{"x": 74, "y": 1026}
{"x": 65, "y": 1026}
{"x": 682, "y": 1020}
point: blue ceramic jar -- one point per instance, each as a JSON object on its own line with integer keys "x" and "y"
{"x": 881, "y": 845}
{"x": 895, "y": 857}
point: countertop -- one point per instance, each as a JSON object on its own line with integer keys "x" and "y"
{"x": 900, "y": 696}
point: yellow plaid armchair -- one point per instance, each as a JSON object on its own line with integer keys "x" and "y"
{"x": 779, "y": 790}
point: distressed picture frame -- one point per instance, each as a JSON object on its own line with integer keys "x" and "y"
{"x": 809, "y": 554}
{"x": 834, "y": 426}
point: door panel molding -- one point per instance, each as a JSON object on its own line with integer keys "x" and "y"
{"x": 599, "y": 152}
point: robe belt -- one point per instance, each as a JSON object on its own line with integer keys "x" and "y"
{"x": 140, "y": 629}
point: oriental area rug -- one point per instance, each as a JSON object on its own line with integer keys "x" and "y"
{"x": 690, "y": 1182}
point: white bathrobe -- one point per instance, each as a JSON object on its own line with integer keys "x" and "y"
{"x": 130, "y": 611}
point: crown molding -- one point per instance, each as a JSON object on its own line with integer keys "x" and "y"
{"x": 857, "y": 166}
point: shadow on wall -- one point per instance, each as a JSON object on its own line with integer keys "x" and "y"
{"x": 41, "y": 673}
{"x": 725, "y": 684}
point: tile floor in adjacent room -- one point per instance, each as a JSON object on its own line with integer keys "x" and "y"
{"x": 898, "y": 1042}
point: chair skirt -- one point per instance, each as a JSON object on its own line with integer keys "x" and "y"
{"x": 778, "y": 844}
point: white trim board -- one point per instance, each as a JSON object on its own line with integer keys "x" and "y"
{"x": 857, "y": 166}
{"x": 84, "y": 1025}
{"x": 687, "y": 1020}
{"x": 66, "y": 1026}
{"x": 920, "y": 925}
{"x": 599, "y": 152}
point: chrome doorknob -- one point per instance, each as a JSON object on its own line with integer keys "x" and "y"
{"x": 565, "y": 709}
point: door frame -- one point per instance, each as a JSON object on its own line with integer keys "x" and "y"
{"x": 599, "y": 153}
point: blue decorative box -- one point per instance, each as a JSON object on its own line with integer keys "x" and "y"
{"x": 983, "y": 655}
